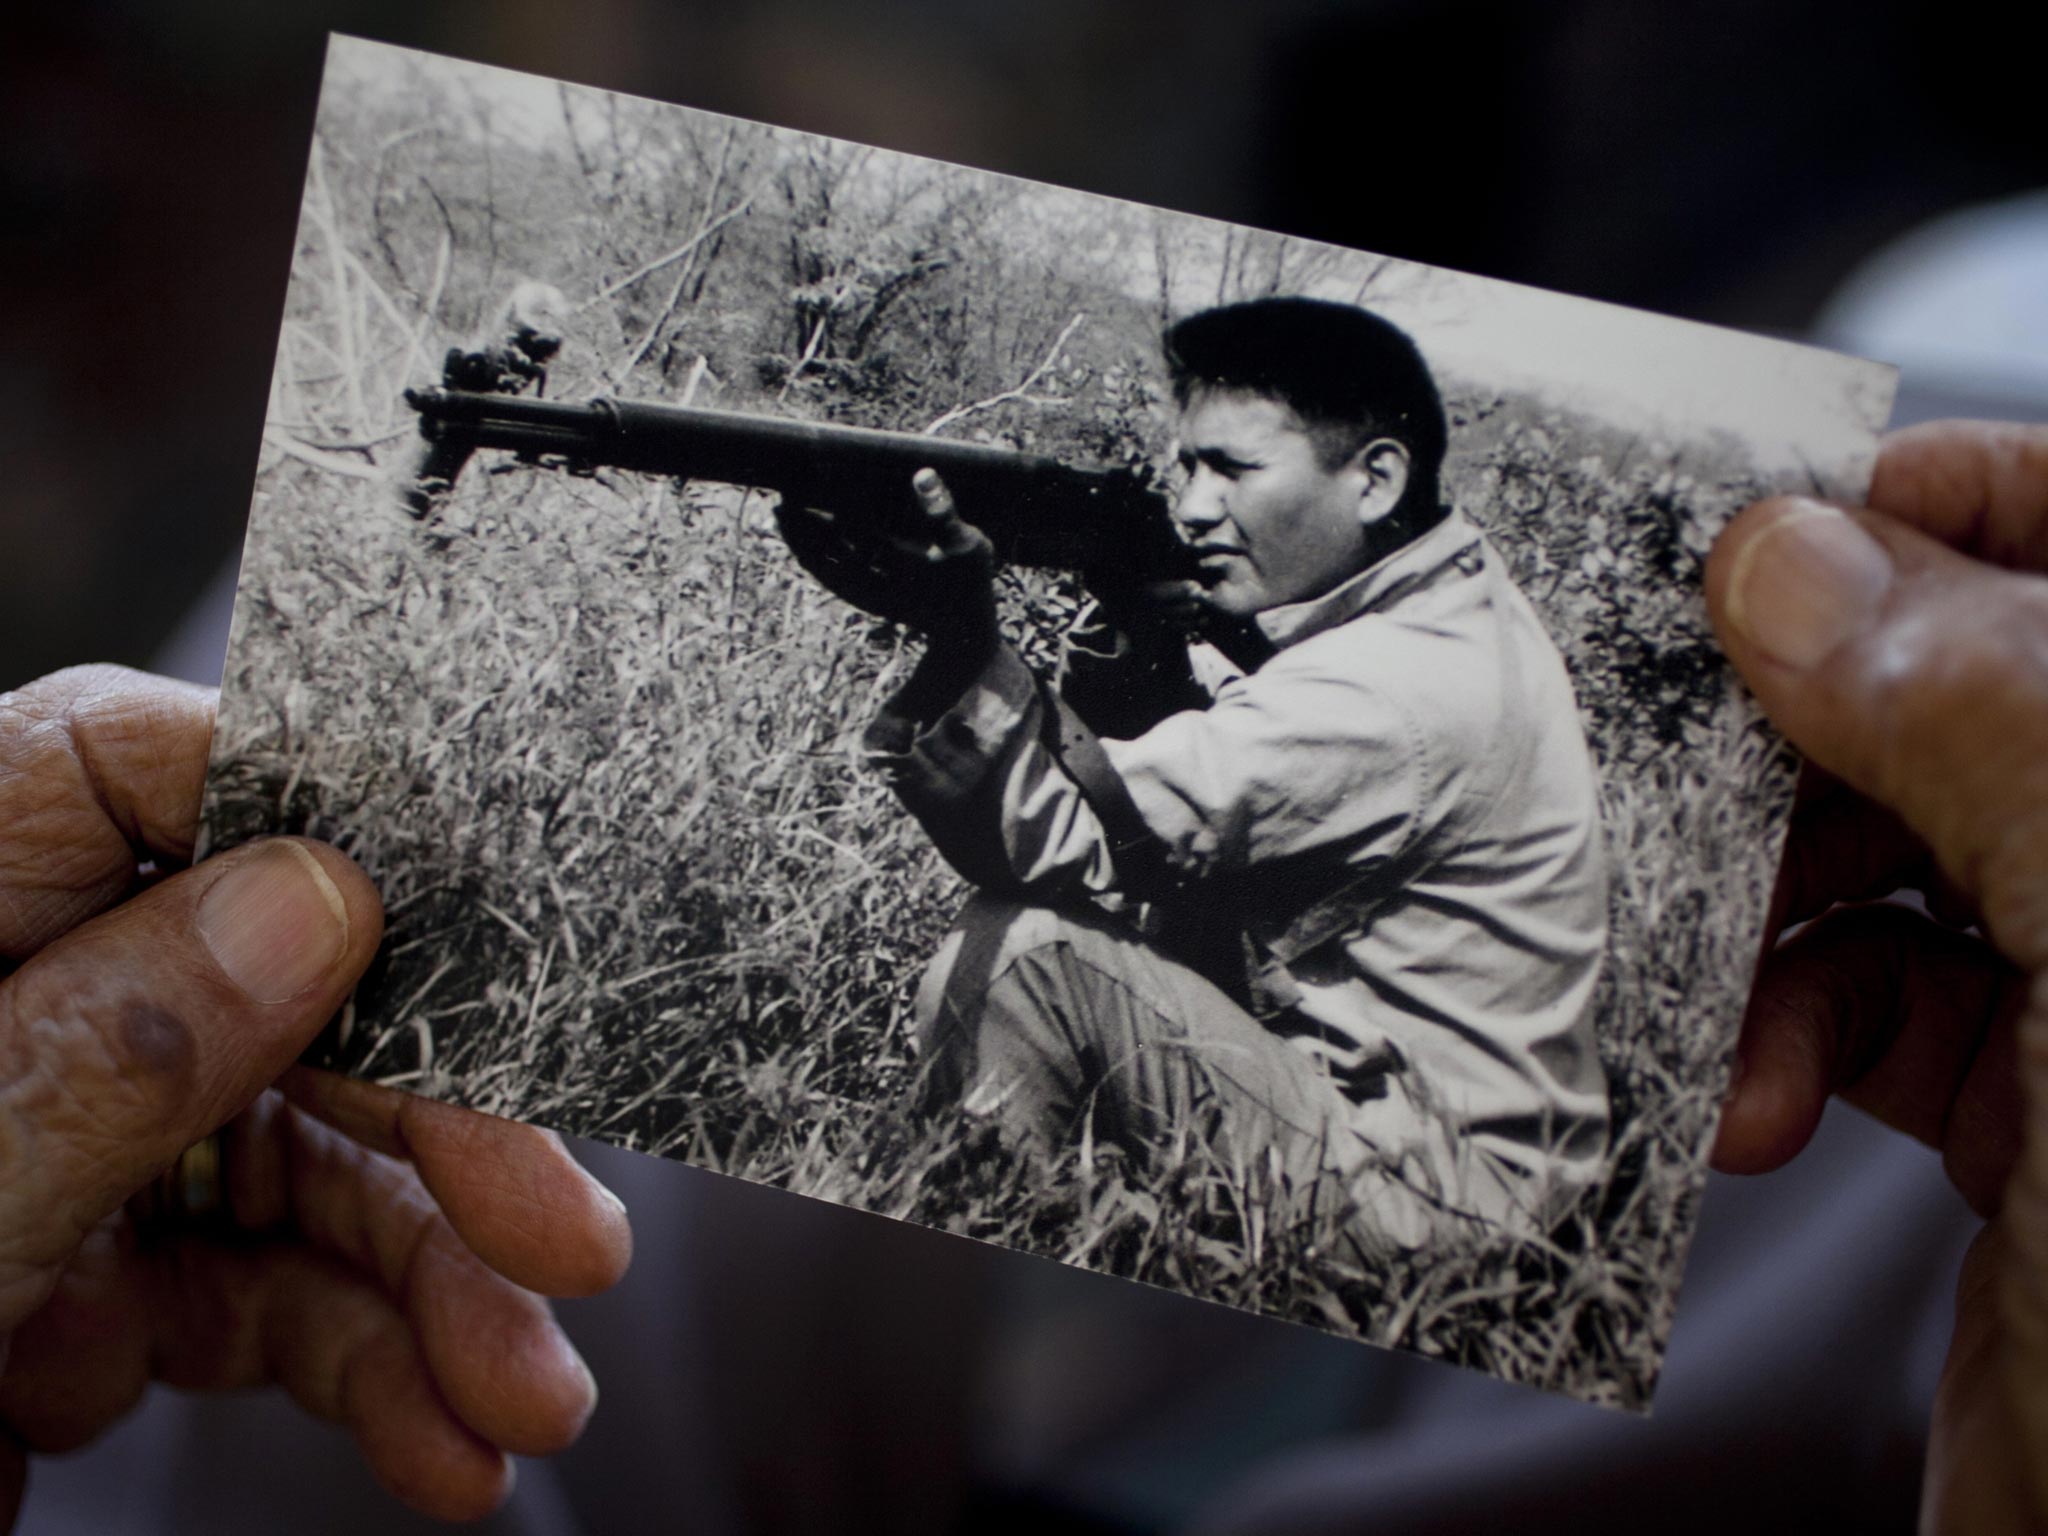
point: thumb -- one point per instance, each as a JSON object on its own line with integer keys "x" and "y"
{"x": 1913, "y": 673}
{"x": 934, "y": 497}
{"x": 144, "y": 1030}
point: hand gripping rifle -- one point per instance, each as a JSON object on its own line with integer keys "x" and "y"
{"x": 1035, "y": 510}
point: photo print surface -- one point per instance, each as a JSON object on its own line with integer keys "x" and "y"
{"x": 1266, "y": 817}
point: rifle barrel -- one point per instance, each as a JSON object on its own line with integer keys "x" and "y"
{"x": 1034, "y": 508}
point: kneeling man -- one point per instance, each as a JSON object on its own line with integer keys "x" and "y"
{"x": 1320, "y": 893}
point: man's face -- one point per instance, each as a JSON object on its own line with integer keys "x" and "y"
{"x": 1269, "y": 522}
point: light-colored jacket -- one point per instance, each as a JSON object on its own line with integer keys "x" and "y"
{"x": 1399, "y": 812}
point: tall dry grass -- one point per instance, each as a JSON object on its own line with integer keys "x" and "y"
{"x": 598, "y": 750}
{"x": 595, "y": 740}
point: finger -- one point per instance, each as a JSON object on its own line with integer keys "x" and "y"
{"x": 420, "y": 1452}
{"x": 135, "y": 1035}
{"x": 914, "y": 550}
{"x": 1893, "y": 1012}
{"x": 96, "y": 763}
{"x": 1981, "y": 1137}
{"x": 493, "y": 1348}
{"x": 1180, "y": 600}
{"x": 813, "y": 526}
{"x": 958, "y": 543}
{"x": 1912, "y": 673}
{"x": 2023, "y": 1289}
{"x": 1974, "y": 485}
{"x": 81, "y": 1363}
{"x": 934, "y": 499}
{"x": 495, "y": 1354}
{"x": 1948, "y": 903}
{"x": 512, "y": 1192}
{"x": 941, "y": 533}
{"x": 1977, "y": 1456}
{"x": 814, "y": 538}
{"x": 1842, "y": 848}
{"x": 338, "y": 1346}
{"x": 225, "y": 1319}
{"x": 945, "y": 532}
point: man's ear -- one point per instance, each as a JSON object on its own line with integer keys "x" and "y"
{"x": 1382, "y": 466}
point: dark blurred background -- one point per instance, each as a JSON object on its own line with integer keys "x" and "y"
{"x": 1727, "y": 162}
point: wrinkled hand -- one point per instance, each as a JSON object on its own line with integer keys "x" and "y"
{"x": 389, "y": 1249}
{"x": 1906, "y": 652}
{"x": 921, "y": 566}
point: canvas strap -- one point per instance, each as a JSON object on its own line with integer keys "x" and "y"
{"x": 1138, "y": 852}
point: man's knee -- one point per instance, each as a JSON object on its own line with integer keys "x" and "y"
{"x": 968, "y": 1066}
{"x": 989, "y": 937}
{"x": 1023, "y": 1008}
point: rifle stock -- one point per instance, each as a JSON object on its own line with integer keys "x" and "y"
{"x": 1036, "y": 510}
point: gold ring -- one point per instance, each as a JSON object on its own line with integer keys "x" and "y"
{"x": 191, "y": 1195}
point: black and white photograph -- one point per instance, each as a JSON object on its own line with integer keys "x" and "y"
{"x": 1186, "y": 751}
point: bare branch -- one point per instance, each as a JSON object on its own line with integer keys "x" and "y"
{"x": 320, "y": 206}
{"x": 320, "y": 458}
{"x": 699, "y": 371}
{"x": 1163, "y": 262}
{"x": 617, "y": 373}
{"x": 809, "y": 356}
{"x": 583, "y": 161}
{"x": 413, "y": 354}
{"x": 367, "y": 446}
{"x": 1372, "y": 276}
{"x": 1022, "y": 391}
{"x": 689, "y": 245}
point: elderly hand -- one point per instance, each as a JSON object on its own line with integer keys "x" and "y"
{"x": 1905, "y": 650}
{"x": 384, "y": 1251}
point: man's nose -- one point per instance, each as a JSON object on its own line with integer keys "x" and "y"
{"x": 1198, "y": 507}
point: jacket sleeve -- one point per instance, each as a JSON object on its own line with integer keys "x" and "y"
{"x": 1292, "y": 767}
{"x": 1291, "y": 762}
{"x": 995, "y": 800}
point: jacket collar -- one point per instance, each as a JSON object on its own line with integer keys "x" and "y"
{"x": 1377, "y": 586}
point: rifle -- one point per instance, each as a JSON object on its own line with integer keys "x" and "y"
{"x": 1036, "y": 510}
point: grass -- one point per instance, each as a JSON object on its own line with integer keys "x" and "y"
{"x": 599, "y": 753}
{"x": 596, "y": 741}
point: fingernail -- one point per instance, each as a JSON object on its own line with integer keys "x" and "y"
{"x": 1808, "y": 583}
{"x": 589, "y": 1390}
{"x": 274, "y": 922}
{"x": 926, "y": 480}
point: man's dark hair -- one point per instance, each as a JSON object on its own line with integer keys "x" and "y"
{"x": 1349, "y": 375}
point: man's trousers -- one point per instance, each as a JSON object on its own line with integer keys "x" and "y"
{"x": 1046, "y": 1020}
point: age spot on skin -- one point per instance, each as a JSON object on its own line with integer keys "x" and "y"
{"x": 157, "y": 1041}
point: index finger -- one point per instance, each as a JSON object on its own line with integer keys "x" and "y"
{"x": 511, "y": 1191}
{"x": 1842, "y": 847}
{"x": 1974, "y": 485}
